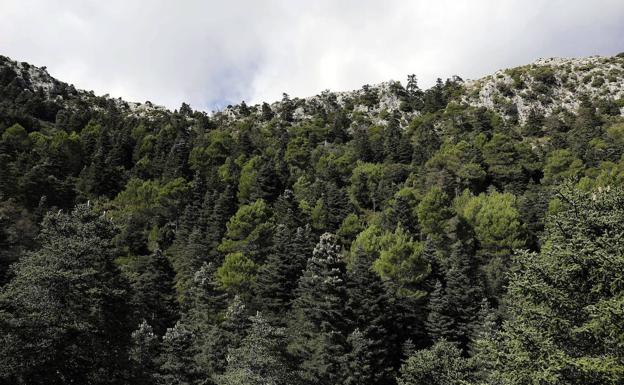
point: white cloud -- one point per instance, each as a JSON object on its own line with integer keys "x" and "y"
{"x": 210, "y": 53}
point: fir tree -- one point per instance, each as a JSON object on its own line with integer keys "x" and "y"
{"x": 144, "y": 355}
{"x": 452, "y": 307}
{"x": 563, "y": 302}
{"x": 318, "y": 326}
{"x": 370, "y": 308}
{"x": 440, "y": 323}
{"x": 215, "y": 340}
{"x": 278, "y": 277}
{"x": 259, "y": 359}
{"x": 65, "y": 316}
{"x": 359, "y": 361}
{"x": 177, "y": 366}
{"x": 153, "y": 295}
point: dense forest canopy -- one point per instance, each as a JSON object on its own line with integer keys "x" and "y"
{"x": 469, "y": 233}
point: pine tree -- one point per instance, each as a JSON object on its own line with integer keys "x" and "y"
{"x": 143, "y": 355}
{"x": 452, "y": 307}
{"x": 260, "y": 359}
{"x": 564, "y": 303}
{"x": 177, "y": 366}
{"x": 153, "y": 295}
{"x": 318, "y": 325}
{"x": 278, "y": 277}
{"x": 64, "y": 314}
{"x": 442, "y": 364}
{"x": 359, "y": 361}
{"x": 370, "y": 309}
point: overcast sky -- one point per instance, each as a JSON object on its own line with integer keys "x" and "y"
{"x": 212, "y": 53}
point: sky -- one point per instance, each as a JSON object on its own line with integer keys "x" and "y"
{"x": 214, "y": 53}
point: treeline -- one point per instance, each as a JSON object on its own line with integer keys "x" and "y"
{"x": 324, "y": 241}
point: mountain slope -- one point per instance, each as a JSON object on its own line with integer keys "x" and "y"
{"x": 379, "y": 236}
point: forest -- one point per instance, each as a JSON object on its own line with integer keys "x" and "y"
{"x": 391, "y": 235}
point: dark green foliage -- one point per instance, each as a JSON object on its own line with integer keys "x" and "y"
{"x": 278, "y": 277}
{"x": 176, "y": 358}
{"x": 442, "y": 364}
{"x": 17, "y": 233}
{"x": 152, "y": 281}
{"x": 65, "y": 314}
{"x": 260, "y": 359}
{"x": 144, "y": 355}
{"x": 453, "y": 306}
{"x": 372, "y": 342}
{"x": 563, "y": 302}
{"x": 319, "y": 321}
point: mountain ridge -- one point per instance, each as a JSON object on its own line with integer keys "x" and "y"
{"x": 510, "y": 91}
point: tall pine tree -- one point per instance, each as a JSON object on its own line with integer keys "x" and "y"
{"x": 319, "y": 324}
{"x": 64, "y": 316}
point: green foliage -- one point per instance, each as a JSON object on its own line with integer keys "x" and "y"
{"x": 248, "y": 231}
{"x": 277, "y": 278}
{"x": 442, "y": 364}
{"x": 499, "y": 231}
{"x": 15, "y": 139}
{"x": 455, "y": 167}
{"x": 561, "y": 165}
{"x": 66, "y": 302}
{"x": 433, "y": 212}
{"x": 495, "y": 220}
{"x": 401, "y": 261}
{"x": 371, "y": 358}
{"x": 372, "y": 184}
{"x": 509, "y": 163}
{"x": 564, "y": 301}
{"x": 260, "y": 359}
{"x": 176, "y": 359}
{"x": 237, "y": 273}
{"x": 318, "y": 322}
{"x": 153, "y": 295}
{"x": 144, "y": 355}
{"x": 218, "y": 216}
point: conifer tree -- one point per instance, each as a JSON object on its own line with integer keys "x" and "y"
{"x": 440, "y": 323}
{"x": 359, "y": 361}
{"x": 153, "y": 294}
{"x": 224, "y": 208}
{"x": 177, "y": 366}
{"x": 371, "y": 312}
{"x": 260, "y": 359}
{"x": 452, "y": 308}
{"x": 64, "y": 316}
{"x": 213, "y": 344}
{"x": 319, "y": 324}
{"x": 278, "y": 277}
{"x": 565, "y": 302}
{"x": 442, "y": 364}
{"x": 144, "y": 355}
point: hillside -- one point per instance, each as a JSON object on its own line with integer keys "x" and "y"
{"x": 469, "y": 232}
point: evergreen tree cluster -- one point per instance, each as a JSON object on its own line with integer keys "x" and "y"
{"x": 322, "y": 241}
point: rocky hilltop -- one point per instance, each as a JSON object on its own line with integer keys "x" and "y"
{"x": 547, "y": 86}
{"x": 550, "y": 85}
